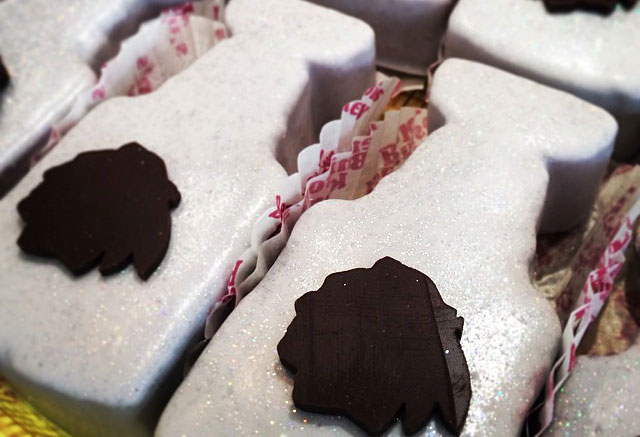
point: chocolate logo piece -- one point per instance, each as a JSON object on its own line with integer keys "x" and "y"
{"x": 4, "y": 76}
{"x": 604, "y": 6}
{"x": 376, "y": 344}
{"x": 632, "y": 285}
{"x": 105, "y": 207}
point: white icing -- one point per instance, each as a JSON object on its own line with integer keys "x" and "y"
{"x": 464, "y": 210}
{"x": 94, "y": 354}
{"x": 600, "y": 397}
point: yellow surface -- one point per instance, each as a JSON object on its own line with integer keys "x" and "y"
{"x": 19, "y": 419}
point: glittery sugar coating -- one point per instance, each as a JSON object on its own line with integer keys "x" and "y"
{"x": 464, "y": 208}
{"x": 408, "y": 31}
{"x": 592, "y": 56}
{"x": 52, "y": 49}
{"x": 600, "y": 397}
{"x": 95, "y": 354}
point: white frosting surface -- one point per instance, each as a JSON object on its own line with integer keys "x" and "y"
{"x": 95, "y": 354}
{"x": 463, "y": 210}
{"x": 601, "y": 397}
{"x": 592, "y": 56}
{"x": 408, "y": 32}
{"x": 51, "y": 49}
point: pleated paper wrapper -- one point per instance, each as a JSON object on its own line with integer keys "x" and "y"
{"x": 583, "y": 281}
{"x": 353, "y": 155}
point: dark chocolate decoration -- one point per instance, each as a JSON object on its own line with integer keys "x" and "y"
{"x": 376, "y": 344}
{"x": 603, "y": 6}
{"x": 4, "y": 76}
{"x": 632, "y": 283}
{"x": 107, "y": 207}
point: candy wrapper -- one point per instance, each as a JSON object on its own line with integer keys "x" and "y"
{"x": 353, "y": 155}
{"x": 161, "y": 49}
{"x": 618, "y": 208}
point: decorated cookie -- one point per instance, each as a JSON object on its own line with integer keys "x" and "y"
{"x": 99, "y": 356}
{"x": 501, "y": 159}
{"x": 600, "y": 397}
{"x": 53, "y": 49}
{"x": 408, "y": 32}
{"x": 587, "y": 54}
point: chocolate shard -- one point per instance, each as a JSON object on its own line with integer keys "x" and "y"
{"x": 602, "y": 6}
{"x": 4, "y": 76}
{"x": 632, "y": 283}
{"x": 375, "y": 345}
{"x": 106, "y": 207}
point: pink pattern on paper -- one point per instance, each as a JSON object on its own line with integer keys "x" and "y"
{"x": 98, "y": 93}
{"x": 592, "y": 298}
{"x": 231, "y": 288}
{"x": 142, "y": 62}
{"x": 281, "y": 210}
{"x": 572, "y": 358}
{"x": 182, "y": 49}
{"x": 221, "y": 33}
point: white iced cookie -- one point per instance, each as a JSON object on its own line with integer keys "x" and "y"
{"x": 52, "y": 50}
{"x": 463, "y": 210}
{"x": 600, "y": 397}
{"x": 95, "y": 354}
{"x": 408, "y": 32}
{"x": 592, "y": 56}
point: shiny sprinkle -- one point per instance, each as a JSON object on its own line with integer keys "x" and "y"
{"x": 601, "y": 397}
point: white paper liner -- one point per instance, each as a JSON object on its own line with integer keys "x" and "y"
{"x": 353, "y": 154}
{"x": 162, "y": 48}
{"x": 592, "y": 298}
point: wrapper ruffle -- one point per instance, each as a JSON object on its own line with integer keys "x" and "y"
{"x": 353, "y": 155}
{"x": 162, "y": 48}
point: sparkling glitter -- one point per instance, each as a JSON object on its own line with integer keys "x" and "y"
{"x": 598, "y": 399}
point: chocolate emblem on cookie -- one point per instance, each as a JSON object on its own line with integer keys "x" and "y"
{"x": 4, "y": 76}
{"x": 376, "y": 344}
{"x": 603, "y": 6}
{"x": 106, "y": 207}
